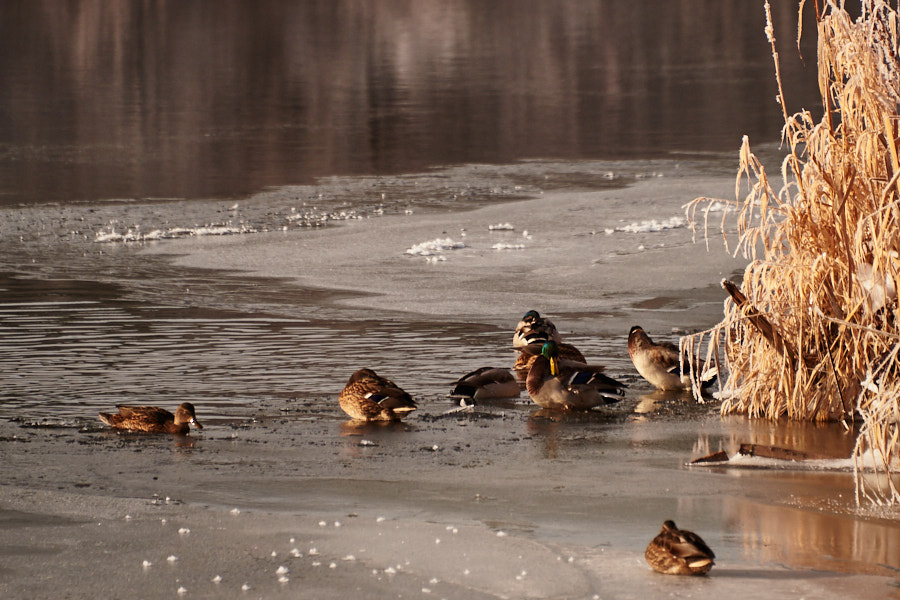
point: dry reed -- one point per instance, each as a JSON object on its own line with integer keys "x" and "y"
{"x": 817, "y": 334}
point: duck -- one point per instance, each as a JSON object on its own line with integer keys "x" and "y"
{"x": 486, "y": 383}
{"x": 567, "y": 385}
{"x": 152, "y": 419}
{"x": 679, "y": 552}
{"x": 529, "y": 353}
{"x": 370, "y": 397}
{"x": 534, "y": 329}
{"x": 661, "y": 363}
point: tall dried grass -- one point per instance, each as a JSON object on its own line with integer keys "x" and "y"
{"x": 818, "y": 335}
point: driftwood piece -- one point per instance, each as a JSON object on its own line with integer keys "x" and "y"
{"x": 778, "y": 453}
{"x": 715, "y": 457}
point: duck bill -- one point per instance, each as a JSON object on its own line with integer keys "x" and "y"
{"x": 196, "y": 423}
{"x": 554, "y": 366}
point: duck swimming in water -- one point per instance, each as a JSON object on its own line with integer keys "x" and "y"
{"x": 151, "y": 419}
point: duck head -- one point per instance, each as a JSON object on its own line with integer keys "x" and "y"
{"x": 186, "y": 414}
{"x": 550, "y": 351}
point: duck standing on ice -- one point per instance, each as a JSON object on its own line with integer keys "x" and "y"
{"x": 567, "y": 385}
{"x": 662, "y": 364}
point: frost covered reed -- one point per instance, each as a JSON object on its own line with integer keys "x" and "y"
{"x": 813, "y": 331}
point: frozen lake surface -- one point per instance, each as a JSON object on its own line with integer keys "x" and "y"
{"x": 261, "y": 329}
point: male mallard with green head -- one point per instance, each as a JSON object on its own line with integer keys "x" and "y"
{"x": 679, "y": 552}
{"x": 567, "y": 385}
{"x": 370, "y": 397}
{"x": 529, "y": 353}
{"x": 661, "y": 363}
{"x": 486, "y": 383}
{"x": 151, "y": 419}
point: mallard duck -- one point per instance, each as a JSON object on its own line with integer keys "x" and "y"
{"x": 486, "y": 383}
{"x": 151, "y": 419}
{"x": 661, "y": 364}
{"x": 534, "y": 329}
{"x": 679, "y": 552}
{"x": 370, "y": 397}
{"x": 529, "y": 353}
{"x": 567, "y": 385}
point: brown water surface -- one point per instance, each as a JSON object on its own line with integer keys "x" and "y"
{"x": 218, "y": 98}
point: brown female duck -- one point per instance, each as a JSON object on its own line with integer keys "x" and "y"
{"x": 534, "y": 329}
{"x": 370, "y": 397}
{"x": 151, "y": 419}
{"x": 679, "y": 552}
{"x": 662, "y": 364}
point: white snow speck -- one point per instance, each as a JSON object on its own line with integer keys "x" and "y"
{"x": 217, "y": 579}
{"x": 146, "y": 564}
{"x": 282, "y": 570}
{"x": 184, "y": 531}
{"x": 172, "y": 558}
{"x": 182, "y": 591}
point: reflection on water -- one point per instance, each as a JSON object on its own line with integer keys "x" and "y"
{"x": 819, "y": 440}
{"x": 220, "y": 97}
{"x": 815, "y": 540}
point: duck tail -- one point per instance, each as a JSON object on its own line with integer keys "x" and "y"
{"x": 106, "y": 418}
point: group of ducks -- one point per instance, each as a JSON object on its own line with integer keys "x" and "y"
{"x": 556, "y": 376}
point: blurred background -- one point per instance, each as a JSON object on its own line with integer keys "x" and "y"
{"x": 219, "y": 98}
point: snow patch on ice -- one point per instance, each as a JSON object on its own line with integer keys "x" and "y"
{"x": 654, "y": 225}
{"x": 434, "y": 247}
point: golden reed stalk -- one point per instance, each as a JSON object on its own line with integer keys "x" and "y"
{"x": 813, "y": 333}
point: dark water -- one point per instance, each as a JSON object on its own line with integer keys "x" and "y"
{"x": 219, "y": 98}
